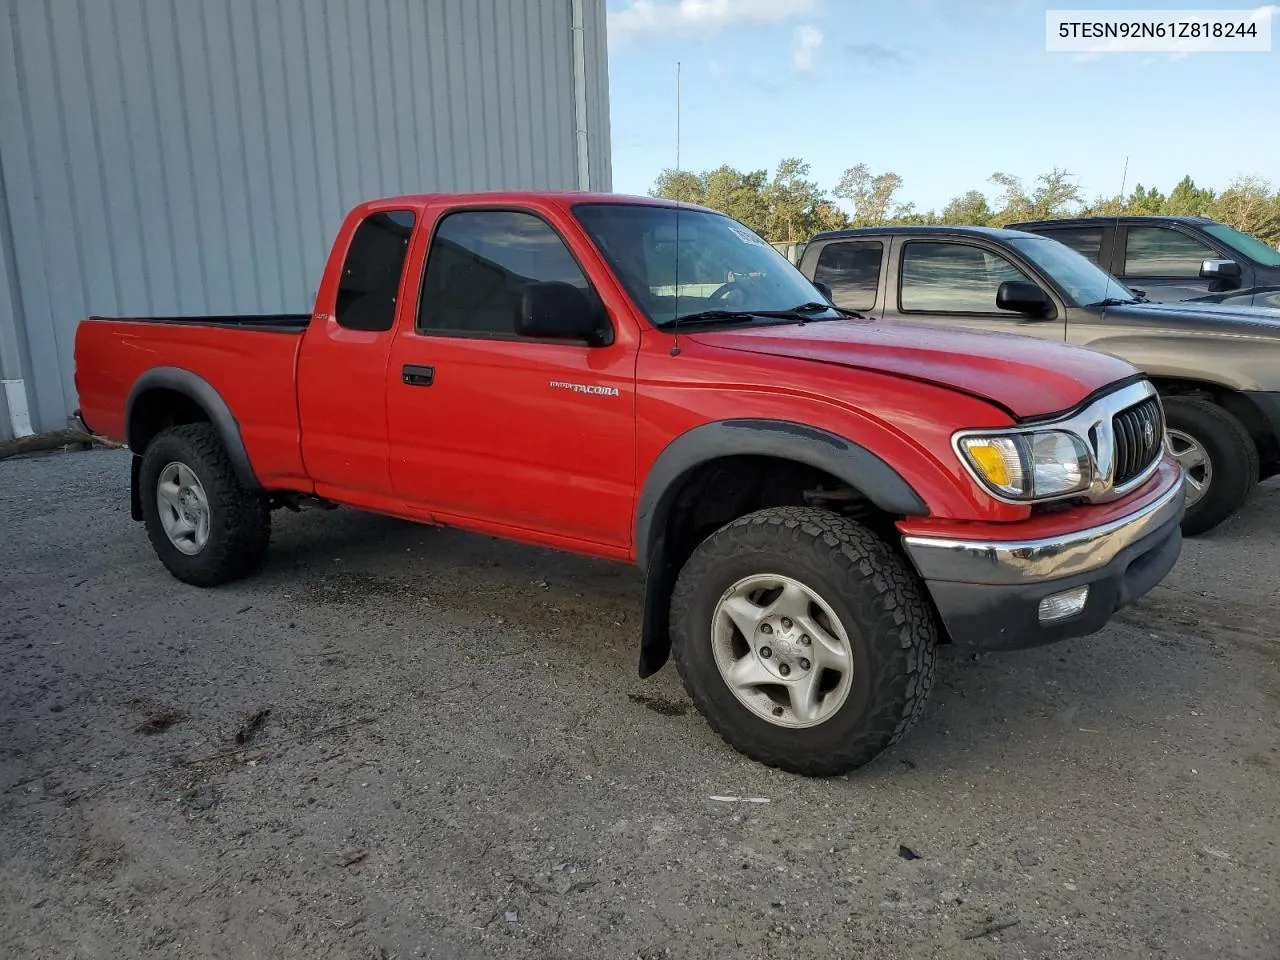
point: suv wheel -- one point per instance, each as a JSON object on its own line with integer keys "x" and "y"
{"x": 805, "y": 641}
{"x": 205, "y": 527}
{"x": 1218, "y": 456}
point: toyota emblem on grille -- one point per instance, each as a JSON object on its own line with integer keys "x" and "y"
{"x": 1148, "y": 433}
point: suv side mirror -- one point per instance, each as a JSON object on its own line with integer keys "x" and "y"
{"x": 823, "y": 289}
{"x": 1219, "y": 270}
{"x": 1022, "y": 296}
{"x": 555, "y": 310}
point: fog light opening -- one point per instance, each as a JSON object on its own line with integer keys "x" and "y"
{"x": 1059, "y": 606}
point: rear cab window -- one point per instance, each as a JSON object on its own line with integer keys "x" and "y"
{"x": 1086, "y": 241}
{"x": 851, "y": 268}
{"x": 370, "y": 283}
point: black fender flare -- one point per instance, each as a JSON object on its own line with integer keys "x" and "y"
{"x": 782, "y": 439}
{"x": 204, "y": 395}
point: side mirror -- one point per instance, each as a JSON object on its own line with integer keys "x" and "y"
{"x": 1022, "y": 296}
{"x": 1219, "y": 270}
{"x": 555, "y": 310}
{"x": 823, "y": 289}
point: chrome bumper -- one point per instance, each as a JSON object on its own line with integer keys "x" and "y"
{"x": 1013, "y": 562}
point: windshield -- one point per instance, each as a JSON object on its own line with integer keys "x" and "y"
{"x": 1242, "y": 243}
{"x": 721, "y": 265}
{"x": 1082, "y": 280}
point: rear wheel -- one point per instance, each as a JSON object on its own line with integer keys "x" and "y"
{"x": 1217, "y": 455}
{"x": 805, "y": 641}
{"x": 205, "y": 527}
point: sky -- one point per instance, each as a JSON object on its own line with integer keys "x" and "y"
{"x": 942, "y": 92}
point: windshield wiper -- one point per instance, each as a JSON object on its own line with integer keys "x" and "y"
{"x": 802, "y": 314}
{"x": 706, "y": 316}
{"x": 813, "y": 306}
{"x": 1117, "y": 302}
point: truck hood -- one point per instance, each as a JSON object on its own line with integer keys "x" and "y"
{"x": 1027, "y": 376}
{"x": 1204, "y": 316}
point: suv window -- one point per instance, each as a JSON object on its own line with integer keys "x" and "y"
{"x": 371, "y": 273}
{"x": 1161, "y": 252}
{"x": 1086, "y": 241}
{"x": 952, "y": 278}
{"x": 478, "y": 265}
{"x": 851, "y": 268}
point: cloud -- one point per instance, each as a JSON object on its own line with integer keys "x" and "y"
{"x": 807, "y": 42}
{"x": 640, "y": 20}
{"x": 876, "y": 54}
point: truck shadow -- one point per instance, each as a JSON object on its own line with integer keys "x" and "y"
{"x": 1203, "y": 634}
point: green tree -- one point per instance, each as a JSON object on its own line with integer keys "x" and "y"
{"x": 871, "y": 195}
{"x": 1143, "y": 202}
{"x": 1249, "y": 205}
{"x": 679, "y": 185}
{"x": 972, "y": 209}
{"x": 1054, "y": 195}
{"x": 1188, "y": 200}
{"x": 740, "y": 195}
{"x": 1104, "y": 207}
{"x": 794, "y": 202}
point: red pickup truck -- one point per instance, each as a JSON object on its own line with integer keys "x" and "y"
{"x": 817, "y": 499}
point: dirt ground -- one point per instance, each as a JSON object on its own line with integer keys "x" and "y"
{"x": 405, "y": 742}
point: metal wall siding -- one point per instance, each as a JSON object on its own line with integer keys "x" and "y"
{"x": 175, "y": 157}
{"x": 597, "y": 56}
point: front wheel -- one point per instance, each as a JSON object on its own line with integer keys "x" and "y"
{"x": 205, "y": 527}
{"x": 804, "y": 640}
{"x": 1218, "y": 457}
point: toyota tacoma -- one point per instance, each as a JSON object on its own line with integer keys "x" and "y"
{"x": 817, "y": 499}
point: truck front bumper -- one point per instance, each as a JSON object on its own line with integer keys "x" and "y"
{"x": 1005, "y": 595}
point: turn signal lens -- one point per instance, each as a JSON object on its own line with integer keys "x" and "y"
{"x": 1030, "y": 466}
{"x": 998, "y": 461}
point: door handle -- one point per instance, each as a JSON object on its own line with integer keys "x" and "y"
{"x": 417, "y": 376}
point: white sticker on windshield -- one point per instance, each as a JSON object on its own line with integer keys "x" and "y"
{"x": 745, "y": 235}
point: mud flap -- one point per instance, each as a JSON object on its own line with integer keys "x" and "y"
{"x": 655, "y": 635}
{"x": 135, "y": 496}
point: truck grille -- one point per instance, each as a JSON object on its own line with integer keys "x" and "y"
{"x": 1139, "y": 433}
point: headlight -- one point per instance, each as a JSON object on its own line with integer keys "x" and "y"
{"x": 1030, "y": 466}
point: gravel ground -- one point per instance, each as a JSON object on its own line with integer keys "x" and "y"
{"x": 459, "y": 761}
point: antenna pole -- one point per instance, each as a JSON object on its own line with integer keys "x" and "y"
{"x": 1124, "y": 179}
{"x": 675, "y": 329}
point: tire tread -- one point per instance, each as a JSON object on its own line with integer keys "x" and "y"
{"x": 241, "y": 531}
{"x": 906, "y": 618}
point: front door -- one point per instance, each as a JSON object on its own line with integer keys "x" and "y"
{"x": 1164, "y": 263}
{"x": 948, "y": 282}
{"x": 493, "y": 429}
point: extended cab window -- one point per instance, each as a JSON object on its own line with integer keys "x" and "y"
{"x": 1160, "y": 252}
{"x": 478, "y": 265}
{"x": 371, "y": 273}
{"x": 1086, "y": 241}
{"x": 851, "y": 268}
{"x": 952, "y": 278}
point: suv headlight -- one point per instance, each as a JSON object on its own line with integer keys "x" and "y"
{"x": 1029, "y": 466}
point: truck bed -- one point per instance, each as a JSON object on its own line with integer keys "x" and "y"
{"x": 251, "y": 361}
{"x": 276, "y": 322}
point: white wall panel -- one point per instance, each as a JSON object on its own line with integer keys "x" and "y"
{"x": 195, "y": 156}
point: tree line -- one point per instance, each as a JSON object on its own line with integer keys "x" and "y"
{"x": 790, "y": 206}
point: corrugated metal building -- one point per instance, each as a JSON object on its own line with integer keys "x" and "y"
{"x": 196, "y": 156}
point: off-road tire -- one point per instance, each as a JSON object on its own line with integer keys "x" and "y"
{"x": 239, "y": 520}
{"x": 1232, "y": 451}
{"x": 890, "y": 622}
